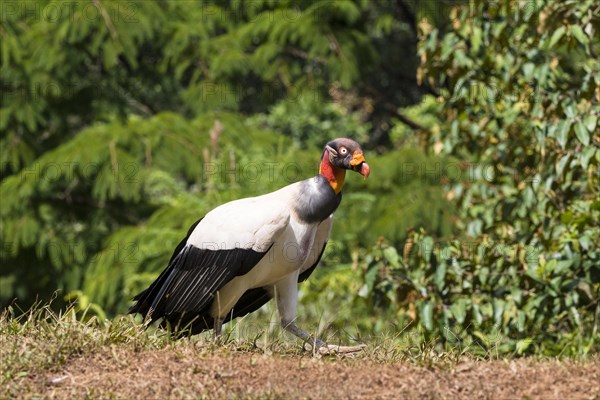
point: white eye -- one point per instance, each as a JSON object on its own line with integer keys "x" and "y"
{"x": 343, "y": 151}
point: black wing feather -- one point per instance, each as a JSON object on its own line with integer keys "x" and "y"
{"x": 182, "y": 244}
{"x": 163, "y": 275}
{"x": 191, "y": 324}
{"x": 189, "y": 283}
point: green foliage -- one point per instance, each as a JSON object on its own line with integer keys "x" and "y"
{"x": 64, "y": 66}
{"x": 248, "y": 56}
{"x": 483, "y": 295}
{"x": 526, "y": 273}
{"x": 308, "y": 120}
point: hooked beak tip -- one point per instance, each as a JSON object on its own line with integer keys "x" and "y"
{"x": 365, "y": 170}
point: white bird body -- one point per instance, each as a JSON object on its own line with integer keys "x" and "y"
{"x": 288, "y": 242}
{"x": 244, "y": 223}
{"x": 247, "y": 251}
{"x": 296, "y": 248}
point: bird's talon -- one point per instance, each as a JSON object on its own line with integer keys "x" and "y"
{"x": 328, "y": 349}
{"x": 317, "y": 343}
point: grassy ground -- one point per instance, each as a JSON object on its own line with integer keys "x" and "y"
{"x": 58, "y": 356}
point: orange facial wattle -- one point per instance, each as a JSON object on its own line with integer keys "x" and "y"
{"x": 334, "y": 175}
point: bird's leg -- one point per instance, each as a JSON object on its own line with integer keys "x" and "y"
{"x": 286, "y": 292}
{"x": 218, "y": 320}
{"x": 302, "y": 334}
{"x": 217, "y": 327}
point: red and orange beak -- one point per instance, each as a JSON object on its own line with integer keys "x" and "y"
{"x": 359, "y": 165}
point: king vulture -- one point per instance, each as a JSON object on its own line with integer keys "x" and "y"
{"x": 246, "y": 252}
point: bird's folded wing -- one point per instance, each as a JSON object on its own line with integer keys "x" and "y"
{"x": 252, "y": 223}
{"x": 196, "y": 275}
{"x": 227, "y": 243}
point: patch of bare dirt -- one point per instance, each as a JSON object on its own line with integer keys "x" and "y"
{"x": 196, "y": 373}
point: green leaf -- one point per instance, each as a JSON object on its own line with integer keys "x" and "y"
{"x": 476, "y": 39}
{"x": 523, "y": 344}
{"x": 391, "y": 255}
{"x": 570, "y": 108}
{"x": 440, "y": 275}
{"x": 110, "y": 55}
{"x": 575, "y": 315}
{"x": 477, "y": 317}
{"x": 370, "y": 279}
{"x": 528, "y": 69}
{"x": 483, "y": 337}
{"x": 427, "y": 248}
{"x": 586, "y": 289}
{"x": 426, "y": 315}
{"x": 499, "y": 305}
{"x": 562, "y": 132}
{"x": 590, "y": 122}
{"x": 586, "y": 156}
{"x": 459, "y": 310}
{"x": 483, "y": 275}
{"x": 582, "y": 133}
{"x": 521, "y": 316}
{"x": 556, "y": 36}
{"x": 585, "y": 242}
{"x": 560, "y": 167}
{"x": 550, "y": 265}
{"x": 579, "y": 34}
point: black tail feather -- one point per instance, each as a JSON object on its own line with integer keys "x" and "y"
{"x": 145, "y": 297}
{"x": 184, "y": 324}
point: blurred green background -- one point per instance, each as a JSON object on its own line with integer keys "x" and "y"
{"x": 124, "y": 122}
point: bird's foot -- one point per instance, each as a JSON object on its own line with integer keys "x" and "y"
{"x": 334, "y": 349}
{"x": 323, "y": 348}
{"x": 329, "y": 349}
